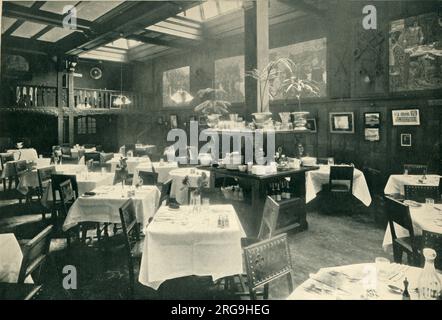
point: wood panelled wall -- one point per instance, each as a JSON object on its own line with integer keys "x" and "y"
{"x": 352, "y": 53}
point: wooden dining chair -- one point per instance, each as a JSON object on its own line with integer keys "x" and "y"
{"x": 399, "y": 214}
{"x": 267, "y": 261}
{"x": 341, "y": 179}
{"x": 35, "y": 254}
{"x": 6, "y": 157}
{"x": 149, "y": 178}
{"x": 433, "y": 240}
{"x": 166, "y": 187}
{"x": 415, "y": 168}
{"x": 322, "y": 160}
{"x": 133, "y": 244}
{"x": 93, "y": 158}
{"x": 419, "y": 193}
{"x": 44, "y": 181}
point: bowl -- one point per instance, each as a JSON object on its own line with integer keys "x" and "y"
{"x": 242, "y": 168}
{"x": 260, "y": 117}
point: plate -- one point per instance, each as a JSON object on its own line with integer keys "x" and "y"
{"x": 412, "y": 203}
{"x": 395, "y": 289}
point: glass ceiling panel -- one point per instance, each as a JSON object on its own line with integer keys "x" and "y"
{"x": 211, "y": 9}
{"x": 123, "y": 44}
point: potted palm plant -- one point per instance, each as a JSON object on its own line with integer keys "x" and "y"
{"x": 212, "y": 107}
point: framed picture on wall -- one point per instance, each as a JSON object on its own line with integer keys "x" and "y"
{"x": 406, "y": 117}
{"x": 342, "y": 122}
{"x": 311, "y": 125}
{"x": 405, "y": 139}
{"x": 372, "y": 134}
{"x": 173, "y": 121}
{"x": 372, "y": 119}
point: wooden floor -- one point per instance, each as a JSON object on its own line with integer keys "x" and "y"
{"x": 330, "y": 240}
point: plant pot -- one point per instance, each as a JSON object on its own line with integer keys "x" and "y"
{"x": 300, "y": 120}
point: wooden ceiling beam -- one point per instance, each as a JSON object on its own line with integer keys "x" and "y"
{"x": 304, "y": 6}
{"x": 32, "y": 14}
{"x": 11, "y": 43}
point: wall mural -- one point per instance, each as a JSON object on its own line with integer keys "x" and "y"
{"x": 416, "y": 53}
{"x": 310, "y": 57}
{"x": 176, "y": 87}
{"x": 229, "y": 76}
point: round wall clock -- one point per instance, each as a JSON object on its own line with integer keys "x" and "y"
{"x": 96, "y": 73}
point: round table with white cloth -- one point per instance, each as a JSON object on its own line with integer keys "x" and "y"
{"x": 11, "y": 258}
{"x": 162, "y": 168}
{"x": 315, "y": 179}
{"x": 132, "y": 162}
{"x": 396, "y": 182}
{"x": 426, "y": 217}
{"x": 180, "y": 191}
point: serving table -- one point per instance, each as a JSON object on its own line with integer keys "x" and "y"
{"x": 104, "y": 205}
{"x": 181, "y": 243}
{"x": 259, "y": 187}
{"x": 358, "y": 282}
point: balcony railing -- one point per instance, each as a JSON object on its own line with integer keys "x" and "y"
{"x": 46, "y": 96}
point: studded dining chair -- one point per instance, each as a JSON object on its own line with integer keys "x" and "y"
{"x": 399, "y": 214}
{"x": 415, "y": 168}
{"x": 149, "y": 178}
{"x": 44, "y": 181}
{"x": 419, "y": 193}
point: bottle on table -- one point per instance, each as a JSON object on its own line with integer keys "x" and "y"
{"x": 429, "y": 284}
{"x": 278, "y": 193}
{"x": 405, "y": 293}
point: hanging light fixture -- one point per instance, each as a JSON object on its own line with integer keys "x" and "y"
{"x": 121, "y": 100}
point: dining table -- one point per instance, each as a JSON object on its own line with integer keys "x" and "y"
{"x": 361, "y": 281}
{"x": 132, "y": 162}
{"x": 102, "y": 204}
{"x": 78, "y": 152}
{"x": 28, "y": 154}
{"x": 163, "y": 169}
{"x": 179, "y": 191}
{"x": 315, "y": 179}
{"x": 11, "y": 258}
{"x": 9, "y": 167}
{"x": 183, "y": 242}
{"x": 396, "y": 182}
{"x": 423, "y": 216}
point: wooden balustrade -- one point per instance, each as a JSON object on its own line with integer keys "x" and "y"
{"x": 46, "y": 96}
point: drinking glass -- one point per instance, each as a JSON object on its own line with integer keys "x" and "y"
{"x": 103, "y": 171}
{"x": 206, "y": 204}
{"x": 382, "y": 268}
{"x": 429, "y": 201}
{"x": 331, "y": 161}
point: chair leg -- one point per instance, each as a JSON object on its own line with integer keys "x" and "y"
{"x": 266, "y": 291}
{"x": 397, "y": 254}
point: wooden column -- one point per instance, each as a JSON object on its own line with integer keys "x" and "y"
{"x": 256, "y": 46}
{"x": 60, "y": 127}
{"x": 71, "y": 102}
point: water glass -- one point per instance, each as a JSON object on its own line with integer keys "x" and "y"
{"x": 331, "y": 161}
{"x": 429, "y": 201}
{"x": 382, "y": 268}
{"x": 103, "y": 171}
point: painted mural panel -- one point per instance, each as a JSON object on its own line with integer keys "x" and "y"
{"x": 176, "y": 87}
{"x": 229, "y": 76}
{"x": 310, "y": 58}
{"x": 416, "y": 53}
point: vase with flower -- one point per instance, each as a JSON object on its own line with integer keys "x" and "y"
{"x": 121, "y": 173}
{"x": 194, "y": 192}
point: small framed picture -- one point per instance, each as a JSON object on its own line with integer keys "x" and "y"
{"x": 311, "y": 125}
{"x": 342, "y": 122}
{"x": 372, "y": 134}
{"x": 372, "y": 119}
{"x": 405, "y": 139}
{"x": 173, "y": 121}
{"x": 406, "y": 117}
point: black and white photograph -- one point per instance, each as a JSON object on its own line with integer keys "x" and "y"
{"x": 405, "y": 139}
{"x": 221, "y": 150}
{"x": 342, "y": 122}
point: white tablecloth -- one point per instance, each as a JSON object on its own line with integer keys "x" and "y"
{"x": 30, "y": 178}
{"x": 24, "y": 154}
{"x": 180, "y": 191}
{"x": 425, "y": 217}
{"x": 132, "y": 163}
{"x": 75, "y": 151}
{"x": 396, "y": 182}
{"x": 315, "y": 179}
{"x": 11, "y": 257}
{"x": 179, "y": 243}
{"x": 353, "y": 281}
{"x": 163, "y": 170}
{"x": 104, "y": 206}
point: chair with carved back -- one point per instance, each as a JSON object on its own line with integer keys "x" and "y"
{"x": 419, "y": 193}
{"x": 399, "y": 214}
{"x": 433, "y": 240}
{"x": 267, "y": 261}
{"x": 133, "y": 244}
{"x": 44, "y": 181}
{"x": 415, "y": 168}
{"x": 35, "y": 254}
{"x": 6, "y": 157}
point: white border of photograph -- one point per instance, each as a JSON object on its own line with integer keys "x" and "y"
{"x": 403, "y": 143}
{"x": 409, "y": 120}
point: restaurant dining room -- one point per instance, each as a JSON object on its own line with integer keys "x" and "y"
{"x": 221, "y": 150}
